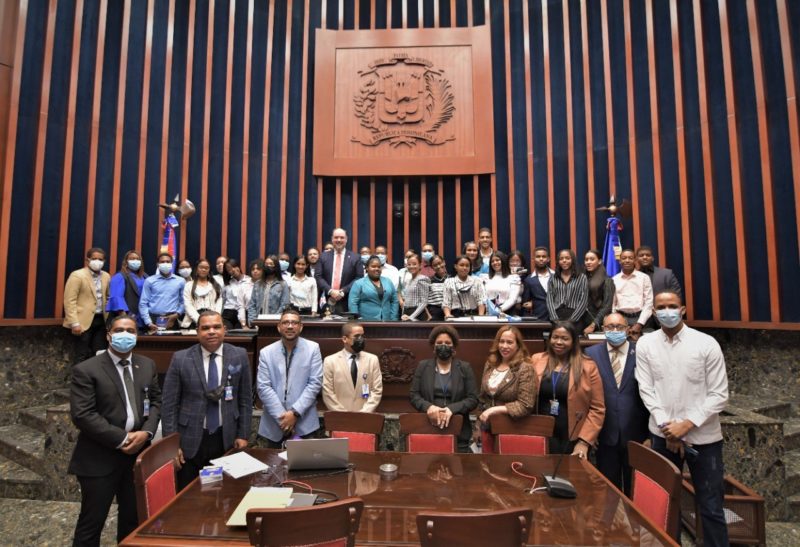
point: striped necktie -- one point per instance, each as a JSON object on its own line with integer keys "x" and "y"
{"x": 616, "y": 365}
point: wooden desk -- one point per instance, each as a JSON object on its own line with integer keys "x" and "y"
{"x": 600, "y": 515}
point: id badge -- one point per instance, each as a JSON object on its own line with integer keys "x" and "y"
{"x": 364, "y": 391}
{"x": 229, "y": 392}
{"x": 554, "y": 407}
{"x": 146, "y": 407}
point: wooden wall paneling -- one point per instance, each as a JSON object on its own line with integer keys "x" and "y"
{"x": 226, "y": 134}
{"x": 736, "y": 173}
{"x": 791, "y": 105}
{"x": 139, "y": 206}
{"x": 573, "y": 223}
{"x": 187, "y": 122}
{"x": 587, "y": 102}
{"x": 476, "y": 218}
{"x": 655, "y": 132}
{"x": 632, "y": 146}
{"x": 338, "y": 211}
{"x": 487, "y": 14}
{"x": 164, "y": 126}
{"x": 708, "y": 165}
{"x": 248, "y": 76}
{"x": 286, "y": 101}
{"x": 265, "y": 141}
{"x": 372, "y": 21}
{"x": 526, "y": 45}
{"x": 406, "y": 214}
{"x": 69, "y": 149}
{"x": 766, "y": 163}
{"x": 119, "y": 144}
{"x": 686, "y": 225}
{"x": 509, "y": 128}
{"x": 319, "y": 213}
{"x": 610, "y": 145}
{"x": 389, "y": 218}
{"x": 207, "y": 125}
{"x": 301, "y": 180}
{"x": 93, "y": 143}
{"x": 41, "y": 141}
{"x": 551, "y": 208}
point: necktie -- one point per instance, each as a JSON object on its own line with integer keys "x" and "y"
{"x": 126, "y": 374}
{"x": 337, "y": 271}
{"x": 212, "y": 407}
{"x": 353, "y": 369}
{"x": 616, "y": 365}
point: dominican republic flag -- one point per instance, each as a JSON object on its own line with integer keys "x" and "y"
{"x": 613, "y": 247}
{"x": 168, "y": 242}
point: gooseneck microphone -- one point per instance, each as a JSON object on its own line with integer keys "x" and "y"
{"x": 559, "y": 487}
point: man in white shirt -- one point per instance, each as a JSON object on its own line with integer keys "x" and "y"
{"x": 633, "y": 295}
{"x": 387, "y": 270}
{"x": 684, "y": 384}
{"x": 351, "y": 378}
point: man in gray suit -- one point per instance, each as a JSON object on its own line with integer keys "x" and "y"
{"x": 288, "y": 382}
{"x": 208, "y": 398}
{"x": 662, "y": 278}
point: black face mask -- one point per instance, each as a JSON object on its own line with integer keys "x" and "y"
{"x": 358, "y": 344}
{"x": 270, "y": 270}
{"x": 444, "y": 352}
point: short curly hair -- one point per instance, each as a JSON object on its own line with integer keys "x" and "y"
{"x": 443, "y": 329}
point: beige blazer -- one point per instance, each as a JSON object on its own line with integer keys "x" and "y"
{"x": 80, "y": 300}
{"x": 337, "y": 384}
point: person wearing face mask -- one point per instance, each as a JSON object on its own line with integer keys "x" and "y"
{"x": 428, "y": 252}
{"x": 387, "y": 270}
{"x": 445, "y": 385}
{"x": 684, "y": 384}
{"x": 115, "y": 403}
{"x": 85, "y": 297}
{"x": 626, "y": 416}
{"x": 125, "y": 288}
{"x": 270, "y": 294}
{"x": 162, "y": 296}
{"x": 365, "y": 252}
{"x": 284, "y": 263}
{"x": 508, "y": 385}
{"x": 351, "y": 378}
{"x": 185, "y": 270}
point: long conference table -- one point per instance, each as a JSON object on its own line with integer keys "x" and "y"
{"x": 600, "y": 515}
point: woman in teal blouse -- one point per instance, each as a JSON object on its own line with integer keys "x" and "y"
{"x": 374, "y": 298}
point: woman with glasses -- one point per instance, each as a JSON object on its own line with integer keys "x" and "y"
{"x": 464, "y": 294}
{"x": 570, "y": 389}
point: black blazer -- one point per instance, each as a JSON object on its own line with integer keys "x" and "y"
{"x": 352, "y": 270}
{"x": 664, "y": 278}
{"x": 626, "y": 416}
{"x": 532, "y": 291}
{"x": 462, "y": 386}
{"x": 98, "y": 410}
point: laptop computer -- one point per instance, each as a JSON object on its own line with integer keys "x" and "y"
{"x": 317, "y": 454}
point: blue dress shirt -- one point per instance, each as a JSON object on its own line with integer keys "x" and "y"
{"x": 161, "y": 295}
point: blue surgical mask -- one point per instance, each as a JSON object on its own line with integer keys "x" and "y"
{"x": 427, "y": 256}
{"x": 165, "y": 267}
{"x": 616, "y": 338}
{"x": 364, "y": 259}
{"x": 185, "y": 272}
{"x": 284, "y": 265}
{"x": 134, "y": 265}
{"x": 669, "y": 317}
{"x": 383, "y": 259}
{"x": 123, "y": 342}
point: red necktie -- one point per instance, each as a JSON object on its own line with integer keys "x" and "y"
{"x": 337, "y": 271}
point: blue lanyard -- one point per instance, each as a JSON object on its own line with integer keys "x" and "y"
{"x": 445, "y": 388}
{"x": 554, "y": 377}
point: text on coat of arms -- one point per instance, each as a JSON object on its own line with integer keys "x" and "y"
{"x": 402, "y": 100}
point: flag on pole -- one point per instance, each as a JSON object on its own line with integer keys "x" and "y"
{"x": 612, "y": 247}
{"x": 168, "y": 241}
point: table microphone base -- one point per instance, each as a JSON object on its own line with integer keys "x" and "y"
{"x": 558, "y": 487}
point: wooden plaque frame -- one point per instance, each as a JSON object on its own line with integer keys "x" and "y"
{"x": 403, "y": 102}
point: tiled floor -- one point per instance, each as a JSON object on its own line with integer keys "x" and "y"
{"x": 50, "y": 523}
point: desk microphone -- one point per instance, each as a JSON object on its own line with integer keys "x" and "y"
{"x": 559, "y": 487}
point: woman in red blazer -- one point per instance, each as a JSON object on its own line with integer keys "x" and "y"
{"x": 569, "y": 388}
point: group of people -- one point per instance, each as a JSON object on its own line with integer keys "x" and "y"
{"x": 483, "y": 280}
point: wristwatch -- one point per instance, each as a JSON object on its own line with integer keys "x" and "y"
{"x": 296, "y": 414}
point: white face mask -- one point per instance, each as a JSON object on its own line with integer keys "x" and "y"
{"x": 96, "y": 265}
{"x": 165, "y": 267}
{"x": 185, "y": 272}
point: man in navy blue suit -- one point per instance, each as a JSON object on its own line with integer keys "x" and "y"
{"x": 336, "y": 271}
{"x": 626, "y": 416}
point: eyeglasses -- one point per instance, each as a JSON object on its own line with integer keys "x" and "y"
{"x": 618, "y": 328}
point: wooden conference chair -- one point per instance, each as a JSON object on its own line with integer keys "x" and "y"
{"x": 154, "y": 476}
{"x": 655, "y": 487}
{"x": 422, "y": 436}
{"x": 333, "y": 524}
{"x": 526, "y": 436}
{"x": 362, "y": 429}
{"x": 501, "y": 528}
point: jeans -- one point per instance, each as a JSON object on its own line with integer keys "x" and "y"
{"x": 706, "y": 470}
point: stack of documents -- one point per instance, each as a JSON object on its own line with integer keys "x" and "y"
{"x": 240, "y": 464}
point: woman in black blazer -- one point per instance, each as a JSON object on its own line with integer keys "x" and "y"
{"x": 444, "y": 385}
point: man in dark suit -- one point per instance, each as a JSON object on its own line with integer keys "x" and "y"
{"x": 626, "y": 416}
{"x": 114, "y": 402}
{"x": 663, "y": 279}
{"x": 336, "y": 271}
{"x": 208, "y": 398}
{"x": 534, "y": 292}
